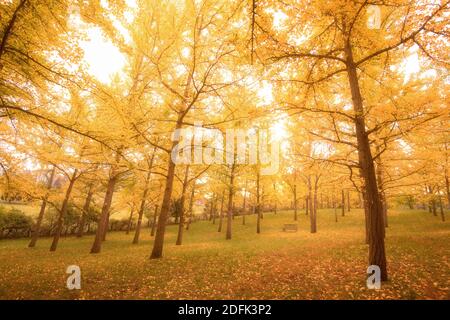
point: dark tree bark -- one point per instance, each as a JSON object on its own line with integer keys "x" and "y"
{"x": 103, "y": 221}
{"x": 221, "y": 212}
{"x": 447, "y": 188}
{"x": 158, "y": 244}
{"x": 137, "y": 231}
{"x": 182, "y": 200}
{"x": 258, "y": 202}
{"x": 213, "y": 209}
{"x": 191, "y": 206}
{"x": 244, "y": 204}
{"x": 313, "y": 211}
{"x": 230, "y": 200}
{"x": 295, "y": 203}
{"x": 441, "y": 207}
{"x": 154, "y": 221}
{"x": 144, "y": 197}
{"x": 335, "y": 209}
{"x": 37, "y": 227}
{"x": 63, "y": 211}
{"x": 380, "y": 182}
{"x": 306, "y": 205}
{"x": 377, "y": 254}
{"x": 343, "y": 202}
{"x": 85, "y": 211}
{"x": 276, "y": 198}
{"x": 130, "y": 220}
{"x": 366, "y": 214}
{"x": 348, "y": 200}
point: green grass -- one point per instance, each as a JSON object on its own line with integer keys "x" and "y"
{"x": 273, "y": 265}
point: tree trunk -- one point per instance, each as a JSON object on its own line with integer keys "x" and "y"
{"x": 154, "y": 221}
{"x": 313, "y": 212}
{"x": 447, "y": 188}
{"x": 37, "y": 228}
{"x": 348, "y": 200}
{"x": 144, "y": 199}
{"x": 244, "y": 205}
{"x": 221, "y": 212}
{"x": 335, "y": 210}
{"x": 158, "y": 244}
{"x": 295, "y": 202}
{"x": 107, "y": 226}
{"x": 85, "y": 212}
{"x": 441, "y": 206}
{"x": 258, "y": 202}
{"x": 191, "y": 206}
{"x": 130, "y": 220}
{"x": 366, "y": 213}
{"x": 380, "y": 181}
{"x": 213, "y": 208}
{"x": 63, "y": 211}
{"x": 343, "y": 202}
{"x": 182, "y": 215}
{"x": 103, "y": 221}
{"x": 377, "y": 254}
{"x": 306, "y": 205}
{"x": 230, "y": 202}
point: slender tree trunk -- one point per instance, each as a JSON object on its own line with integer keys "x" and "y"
{"x": 182, "y": 200}
{"x": 213, "y": 209}
{"x": 313, "y": 212}
{"x": 144, "y": 199}
{"x": 108, "y": 226}
{"x": 433, "y": 206}
{"x": 310, "y": 203}
{"x": 158, "y": 244}
{"x": 63, "y": 211}
{"x": 103, "y": 221}
{"x": 335, "y": 210}
{"x": 244, "y": 204}
{"x": 191, "y": 206}
{"x": 85, "y": 212}
{"x": 366, "y": 214}
{"x": 130, "y": 220}
{"x": 295, "y": 203}
{"x": 380, "y": 181}
{"x": 37, "y": 227}
{"x": 441, "y": 207}
{"x": 447, "y": 188}
{"x": 221, "y": 212}
{"x": 377, "y": 254}
{"x": 306, "y": 205}
{"x": 343, "y": 202}
{"x": 230, "y": 201}
{"x": 348, "y": 200}
{"x": 258, "y": 202}
{"x": 154, "y": 221}
{"x": 276, "y": 198}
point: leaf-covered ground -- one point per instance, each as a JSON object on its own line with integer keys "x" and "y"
{"x": 273, "y": 265}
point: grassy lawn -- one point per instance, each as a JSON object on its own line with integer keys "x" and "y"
{"x": 273, "y": 265}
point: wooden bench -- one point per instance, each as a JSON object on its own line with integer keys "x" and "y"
{"x": 290, "y": 228}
